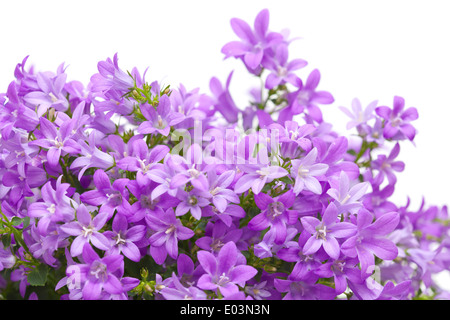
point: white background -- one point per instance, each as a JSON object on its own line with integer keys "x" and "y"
{"x": 371, "y": 50}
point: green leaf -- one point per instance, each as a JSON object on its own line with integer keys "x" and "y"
{"x": 26, "y": 221}
{"x": 286, "y": 180}
{"x": 6, "y": 240}
{"x": 15, "y": 221}
{"x": 38, "y": 275}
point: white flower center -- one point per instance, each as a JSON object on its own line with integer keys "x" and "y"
{"x": 52, "y": 208}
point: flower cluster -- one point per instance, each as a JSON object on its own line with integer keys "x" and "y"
{"x": 128, "y": 189}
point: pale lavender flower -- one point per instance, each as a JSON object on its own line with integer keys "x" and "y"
{"x": 306, "y": 172}
{"x": 256, "y": 177}
{"x": 347, "y": 198}
{"x": 359, "y": 116}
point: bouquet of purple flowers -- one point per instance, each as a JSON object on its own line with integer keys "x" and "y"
{"x": 129, "y": 189}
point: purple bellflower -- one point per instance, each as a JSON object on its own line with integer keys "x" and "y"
{"x": 167, "y": 231}
{"x": 324, "y": 232}
{"x": 397, "y": 120}
{"x": 221, "y": 271}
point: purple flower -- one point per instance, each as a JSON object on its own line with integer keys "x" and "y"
{"x": 341, "y": 269}
{"x": 50, "y": 93}
{"x": 397, "y": 125}
{"x": 306, "y": 97}
{"x": 180, "y": 292}
{"x": 56, "y": 206}
{"x": 86, "y": 230}
{"x": 122, "y": 238}
{"x": 144, "y": 204}
{"x": 281, "y": 69}
{"x": 56, "y": 140}
{"x": 347, "y": 198}
{"x": 7, "y": 259}
{"x": 221, "y": 272}
{"x": 217, "y": 235}
{"x": 304, "y": 288}
{"x": 304, "y": 263}
{"x": 159, "y": 120}
{"x": 91, "y": 157}
{"x": 111, "y": 79}
{"x": 141, "y": 159}
{"x": 231, "y": 212}
{"x": 256, "y": 177}
{"x": 223, "y": 102}
{"x": 168, "y": 230}
{"x": 359, "y": 117}
{"x": 324, "y": 232}
{"x": 386, "y": 166}
{"x": 108, "y": 196}
{"x": 370, "y": 238}
{"x": 220, "y": 195}
{"x": 100, "y": 274}
{"x": 190, "y": 202}
{"x": 253, "y": 42}
{"x": 305, "y": 172}
{"x": 275, "y": 214}
{"x": 189, "y": 168}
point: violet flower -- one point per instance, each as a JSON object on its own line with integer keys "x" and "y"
{"x": 142, "y": 159}
{"x": 359, "y": 117}
{"x": 51, "y": 93}
{"x": 56, "y": 206}
{"x": 397, "y": 120}
{"x": 217, "y": 235}
{"x": 123, "y": 238}
{"x": 281, "y": 69}
{"x": 256, "y": 177}
{"x": 347, "y": 199}
{"x": 370, "y": 238}
{"x": 190, "y": 202}
{"x": 86, "y": 229}
{"x": 305, "y": 288}
{"x": 168, "y": 230}
{"x": 108, "y": 196}
{"x": 306, "y": 97}
{"x": 91, "y": 157}
{"x": 180, "y": 292}
{"x": 56, "y": 140}
{"x": 221, "y": 272}
{"x": 275, "y": 214}
{"x": 159, "y": 120}
{"x": 99, "y": 274}
{"x": 231, "y": 213}
{"x": 223, "y": 102}
{"x": 305, "y": 172}
{"x": 386, "y": 166}
{"x": 324, "y": 232}
{"x": 253, "y": 42}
